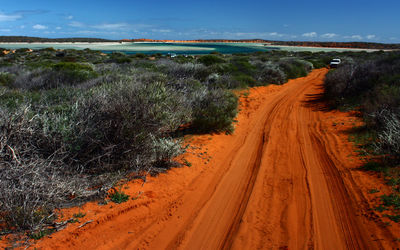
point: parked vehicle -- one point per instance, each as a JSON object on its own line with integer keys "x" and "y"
{"x": 335, "y": 63}
{"x": 172, "y": 55}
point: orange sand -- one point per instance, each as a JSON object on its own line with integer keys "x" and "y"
{"x": 287, "y": 178}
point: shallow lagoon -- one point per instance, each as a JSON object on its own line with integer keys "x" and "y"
{"x": 165, "y": 48}
{"x": 148, "y": 48}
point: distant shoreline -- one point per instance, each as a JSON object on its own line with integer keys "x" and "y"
{"x": 264, "y": 45}
{"x": 20, "y": 40}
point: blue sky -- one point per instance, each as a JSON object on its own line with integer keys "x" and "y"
{"x": 326, "y": 20}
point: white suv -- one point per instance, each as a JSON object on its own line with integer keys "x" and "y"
{"x": 335, "y": 63}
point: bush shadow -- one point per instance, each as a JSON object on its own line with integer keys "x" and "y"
{"x": 317, "y": 102}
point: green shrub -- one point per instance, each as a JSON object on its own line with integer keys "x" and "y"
{"x": 210, "y": 60}
{"x": 119, "y": 121}
{"x": 318, "y": 63}
{"x": 6, "y": 79}
{"x": 184, "y": 59}
{"x": 70, "y": 58}
{"x": 119, "y": 197}
{"x": 373, "y": 166}
{"x": 294, "y": 68}
{"x": 269, "y": 73}
{"x": 140, "y": 55}
{"x": 34, "y": 176}
{"x": 244, "y": 81}
{"x": 75, "y": 72}
{"x": 184, "y": 70}
{"x": 47, "y": 75}
{"x": 79, "y": 215}
{"x": 241, "y": 65}
{"x": 391, "y": 200}
{"x": 57, "y": 75}
{"x": 123, "y": 58}
{"x": 11, "y": 99}
{"x": 215, "y": 112}
{"x": 41, "y": 233}
{"x": 228, "y": 81}
{"x": 373, "y": 191}
{"x": 388, "y": 137}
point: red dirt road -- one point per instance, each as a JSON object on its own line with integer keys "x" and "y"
{"x": 285, "y": 179}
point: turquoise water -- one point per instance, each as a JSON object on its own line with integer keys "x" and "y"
{"x": 165, "y": 48}
{"x": 150, "y": 48}
{"x": 196, "y": 48}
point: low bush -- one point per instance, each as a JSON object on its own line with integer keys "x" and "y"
{"x": 72, "y": 67}
{"x": 119, "y": 121}
{"x": 294, "y": 68}
{"x": 318, "y": 63}
{"x": 336, "y": 85}
{"x": 243, "y": 81}
{"x": 185, "y": 70}
{"x": 225, "y": 81}
{"x": 79, "y": 215}
{"x": 37, "y": 235}
{"x": 388, "y": 137}
{"x": 373, "y": 166}
{"x": 72, "y": 73}
{"x": 50, "y": 75}
{"x": 210, "y": 60}
{"x": 33, "y": 185}
{"x": 215, "y": 112}
{"x": 119, "y": 197}
{"x": 241, "y": 65}
{"x": 391, "y": 200}
{"x": 6, "y": 79}
{"x": 140, "y": 55}
{"x": 270, "y": 73}
{"x": 122, "y": 58}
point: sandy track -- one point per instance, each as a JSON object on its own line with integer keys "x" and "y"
{"x": 279, "y": 182}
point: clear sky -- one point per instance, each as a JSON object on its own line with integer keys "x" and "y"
{"x": 305, "y": 20}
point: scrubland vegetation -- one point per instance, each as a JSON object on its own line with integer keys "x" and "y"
{"x": 72, "y": 123}
{"x": 370, "y": 83}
